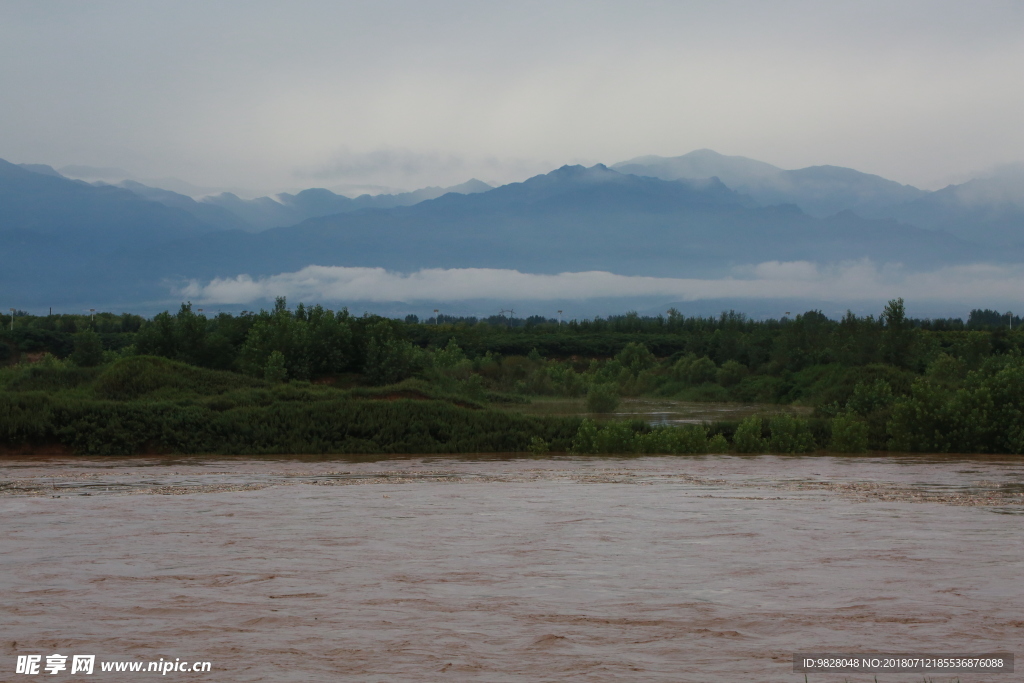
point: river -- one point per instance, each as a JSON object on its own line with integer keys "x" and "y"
{"x": 703, "y": 568}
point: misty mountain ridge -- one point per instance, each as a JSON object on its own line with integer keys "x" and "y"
{"x": 228, "y": 211}
{"x": 819, "y": 190}
{"x": 56, "y": 208}
{"x": 115, "y": 176}
{"x": 68, "y": 240}
{"x": 988, "y": 210}
{"x": 286, "y": 209}
{"x": 43, "y": 169}
{"x": 579, "y": 219}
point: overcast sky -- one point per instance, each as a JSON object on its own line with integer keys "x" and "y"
{"x": 283, "y": 95}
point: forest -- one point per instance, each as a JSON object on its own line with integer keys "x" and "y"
{"x": 312, "y": 380}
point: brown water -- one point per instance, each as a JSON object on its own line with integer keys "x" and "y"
{"x": 711, "y": 568}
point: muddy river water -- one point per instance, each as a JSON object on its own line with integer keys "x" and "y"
{"x": 709, "y": 568}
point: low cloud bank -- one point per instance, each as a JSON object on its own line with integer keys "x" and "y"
{"x": 853, "y": 281}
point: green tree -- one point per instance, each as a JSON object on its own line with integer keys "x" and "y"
{"x": 871, "y": 396}
{"x": 585, "y": 440}
{"x": 450, "y": 356}
{"x": 275, "y": 370}
{"x": 695, "y": 370}
{"x": 314, "y": 342}
{"x": 389, "y": 357}
{"x": 731, "y": 373}
{"x": 898, "y": 338}
{"x": 88, "y": 349}
{"x": 747, "y": 438}
{"x": 849, "y": 434}
{"x": 636, "y": 358}
{"x": 920, "y": 422}
{"x": 789, "y": 434}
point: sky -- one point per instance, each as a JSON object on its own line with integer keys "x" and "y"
{"x": 400, "y": 94}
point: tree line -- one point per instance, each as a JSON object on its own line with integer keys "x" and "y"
{"x": 875, "y": 382}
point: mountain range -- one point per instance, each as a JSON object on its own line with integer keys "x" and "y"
{"x": 70, "y": 242}
{"x": 988, "y": 210}
{"x": 818, "y": 190}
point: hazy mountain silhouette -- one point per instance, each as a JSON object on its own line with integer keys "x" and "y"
{"x": 52, "y": 206}
{"x": 988, "y": 210}
{"x": 288, "y": 209}
{"x": 210, "y": 214}
{"x": 818, "y": 190}
{"x": 86, "y": 172}
{"x": 41, "y": 168}
{"x": 579, "y": 218}
{"x": 68, "y": 241}
{"x": 115, "y": 176}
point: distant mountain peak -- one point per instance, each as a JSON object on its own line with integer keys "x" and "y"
{"x": 41, "y": 169}
{"x": 578, "y": 172}
{"x": 818, "y": 190}
{"x": 471, "y": 186}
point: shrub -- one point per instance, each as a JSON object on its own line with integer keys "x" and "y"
{"x": 538, "y": 446}
{"x": 136, "y": 376}
{"x": 731, "y": 373}
{"x": 688, "y": 439}
{"x": 602, "y": 398}
{"x": 869, "y": 397}
{"x": 389, "y": 358}
{"x": 747, "y": 438}
{"x": 696, "y": 370}
{"x": 636, "y": 358}
{"x": 88, "y": 349}
{"x": 275, "y": 371}
{"x": 616, "y": 437}
{"x": 789, "y": 435}
{"x": 585, "y": 440}
{"x": 849, "y": 434}
{"x": 718, "y": 444}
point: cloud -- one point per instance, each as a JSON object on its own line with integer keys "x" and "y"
{"x": 418, "y": 168}
{"x": 403, "y": 163}
{"x": 220, "y": 96}
{"x": 852, "y": 281}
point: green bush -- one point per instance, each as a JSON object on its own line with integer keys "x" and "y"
{"x": 789, "y": 435}
{"x": 635, "y": 437}
{"x": 731, "y": 373}
{"x": 585, "y": 440}
{"x": 849, "y": 434}
{"x": 137, "y": 376}
{"x": 88, "y": 349}
{"x": 616, "y": 437}
{"x": 275, "y": 370}
{"x": 748, "y": 438}
{"x": 538, "y": 446}
{"x": 718, "y": 444}
{"x": 602, "y": 398}
{"x": 389, "y": 357}
{"x": 673, "y": 440}
{"x": 695, "y": 370}
{"x": 636, "y": 358}
{"x": 334, "y": 425}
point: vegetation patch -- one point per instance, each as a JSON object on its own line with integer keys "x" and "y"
{"x": 311, "y": 380}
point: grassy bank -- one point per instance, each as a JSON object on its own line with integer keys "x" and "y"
{"x": 146, "y": 404}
